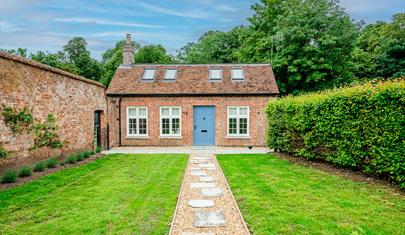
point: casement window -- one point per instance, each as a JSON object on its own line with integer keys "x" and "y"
{"x": 149, "y": 74}
{"x": 215, "y": 74}
{"x": 137, "y": 122}
{"x": 170, "y": 121}
{"x": 237, "y": 74}
{"x": 170, "y": 75}
{"x": 238, "y": 121}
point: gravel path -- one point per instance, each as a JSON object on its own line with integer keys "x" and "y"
{"x": 206, "y": 204}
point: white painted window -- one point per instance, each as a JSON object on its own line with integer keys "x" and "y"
{"x": 237, "y": 74}
{"x": 238, "y": 121}
{"x": 170, "y": 74}
{"x": 137, "y": 121}
{"x": 215, "y": 74}
{"x": 170, "y": 121}
{"x": 149, "y": 74}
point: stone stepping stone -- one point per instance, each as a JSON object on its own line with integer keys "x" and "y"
{"x": 206, "y": 179}
{"x": 200, "y": 158}
{"x": 211, "y": 192}
{"x": 202, "y": 185}
{"x": 191, "y": 233}
{"x": 209, "y": 219}
{"x": 195, "y": 168}
{"x": 199, "y": 161}
{"x": 210, "y": 169}
{"x": 198, "y": 173}
{"x": 206, "y": 165}
{"x": 201, "y": 203}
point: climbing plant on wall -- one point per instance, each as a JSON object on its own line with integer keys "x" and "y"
{"x": 3, "y": 152}
{"x": 18, "y": 120}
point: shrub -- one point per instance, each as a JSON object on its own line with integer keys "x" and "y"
{"x": 358, "y": 127}
{"x": 71, "y": 159}
{"x": 98, "y": 149}
{"x": 86, "y": 154}
{"x": 40, "y": 166}
{"x": 92, "y": 152}
{"x": 10, "y": 176}
{"x": 25, "y": 171}
{"x": 51, "y": 163}
{"x": 80, "y": 157}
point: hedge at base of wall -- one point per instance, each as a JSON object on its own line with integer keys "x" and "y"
{"x": 361, "y": 127}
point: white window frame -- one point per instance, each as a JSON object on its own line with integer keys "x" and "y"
{"x": 170, "y": 116}
{"x": 149, "y": 79}
{"x": 216, "y": 79}
{"x": 237, "y": 79}
{"x": 238, "y": 116}
{"x": 170, "y": 79}
{"x": 137, "y": 117}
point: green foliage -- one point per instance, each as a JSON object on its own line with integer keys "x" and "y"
{"x": 46, "y": 134}
{"x": 80, "y": 156}
{"x": 86, "y": 154}
{"x": 51, "y": 163}
{"x": 358, "y": 127}
{"x": 71, "y": 159}
{"x": 18, "y": 120}
{"x": 10, "y": 176}
{"x": 98, "y": 149}
{"x": 3, "y": 152}
{"x": 19, "y": 52}
{"x": 25, "y": 171}
{"x": 57, "y": 60}
{"x": 39, "y": 166}
{"x": 92, "y": 152}
{"x": 155, "y": 54}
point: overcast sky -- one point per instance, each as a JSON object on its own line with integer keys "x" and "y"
{"x": 49, "y": 24}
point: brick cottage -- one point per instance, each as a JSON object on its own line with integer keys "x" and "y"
{"x": 188, "y": 104}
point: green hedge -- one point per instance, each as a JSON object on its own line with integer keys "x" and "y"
{"x": 361, "y": 127}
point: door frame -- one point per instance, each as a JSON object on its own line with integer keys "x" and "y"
{"x": 193, "y": 123}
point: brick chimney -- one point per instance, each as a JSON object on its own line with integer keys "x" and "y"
{"x": 128, "y": 51}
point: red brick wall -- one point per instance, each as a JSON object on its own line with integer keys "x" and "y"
{"x": 258, "y": 122}
{"x": 71, "y": 99}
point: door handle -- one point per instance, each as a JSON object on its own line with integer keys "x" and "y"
{"x": 204, "y": 131}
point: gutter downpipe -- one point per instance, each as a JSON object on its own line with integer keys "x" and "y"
{"x": 119, "y": 121}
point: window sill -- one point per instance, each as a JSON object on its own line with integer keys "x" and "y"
{"x": 138, "y": 137}
{"x": 238, "y": 137}
{"x": 170, "y": 137}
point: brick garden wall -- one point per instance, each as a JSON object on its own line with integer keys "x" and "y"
{"x": 258, "y": 121}
{"x": 46, "y": 90}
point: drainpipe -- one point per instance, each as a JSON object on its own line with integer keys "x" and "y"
{"x": 119, "y": 121}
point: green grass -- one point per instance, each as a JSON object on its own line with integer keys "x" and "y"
{"x": 117, "y": 194}
{"x": 279, "y": 197}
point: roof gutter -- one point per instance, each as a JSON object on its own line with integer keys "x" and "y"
{"x": 189, "y": 94}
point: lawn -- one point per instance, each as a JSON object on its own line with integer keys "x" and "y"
{"x": 117, "y": 194}
{"x": 279, "y": 197}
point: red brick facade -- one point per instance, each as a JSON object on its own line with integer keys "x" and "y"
{"x": 257, "y": 120}
{"x": 70, "y": 98}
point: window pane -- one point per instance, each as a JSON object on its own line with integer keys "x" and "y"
{"x": 142, "y": 112}
{"x": 232, "y": 126}
{"x": 170, "y": 74}
{"x": 132, "y": 112}
{"x": 237, "y": 74}
{"x": 243, "y": 111}
{"x": 175, "y": 111}
{"x": 232, "y": 111}
{"x": 165, "y": 111}
{"x": 165, "y": 126}
{"x": 175, "y": 126}
{"x": 132, "y": 126}
{"x": 215, "y": 74}
{"x": 142, "y": 126}
{"x": 149, "y": 74}
{"x": 243, "y": 126}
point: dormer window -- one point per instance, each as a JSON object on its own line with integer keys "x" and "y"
{"x": 170, "y": 75}
{"x": 149, "y": 74}
{"x": 237, "y": 74}
{"x": 215, "y": 74}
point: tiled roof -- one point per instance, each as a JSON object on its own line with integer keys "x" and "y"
{"x": 194, "y": 79}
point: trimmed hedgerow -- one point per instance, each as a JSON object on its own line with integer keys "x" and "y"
{"x": 51, "y": 163}
{"x": 39, "y": 166}
{"x": 359, "y": 127}
{"x": 80, "y": 157}
{"x": 71, "y": 159}
{"x": 10, "y": 176}
{"x": 25, "y": 171}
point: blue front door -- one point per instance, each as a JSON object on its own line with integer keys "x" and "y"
{"x": 204, "y": 125}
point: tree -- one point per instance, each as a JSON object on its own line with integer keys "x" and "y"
{"x": 214, "y": 47}
{"x": 153, "y": 54}
{"x": 311, "y": 42}
{"x": 19, "y": 52}
{"x": 380, "y": 50}
{"x": 57, "y": 60}
{"x": 79, "y": 56}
